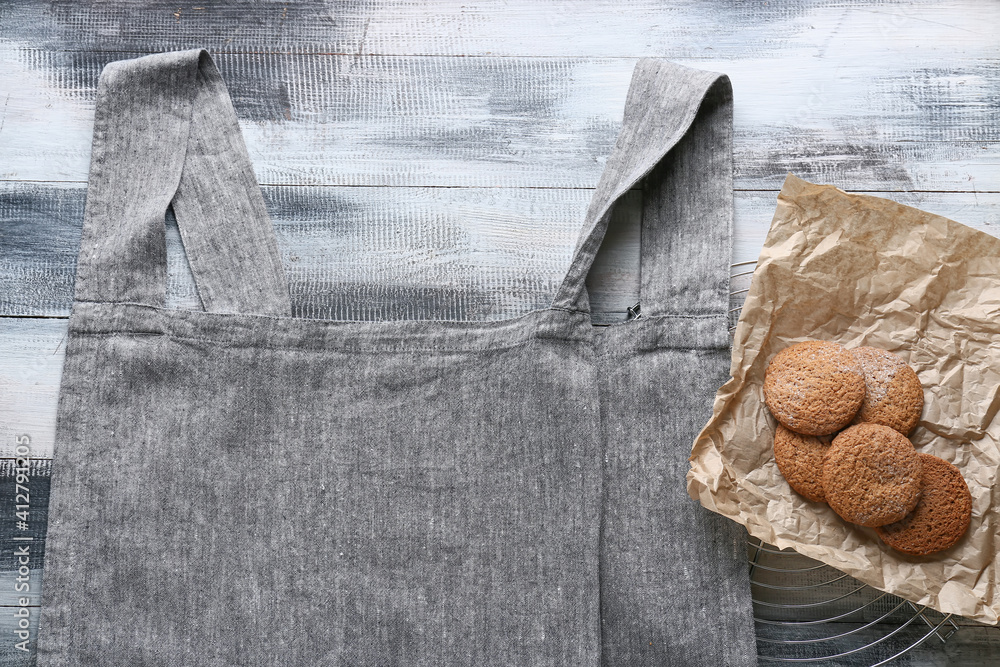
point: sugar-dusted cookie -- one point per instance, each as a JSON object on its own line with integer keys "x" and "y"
{"x": 872, "y": 475}
{"x": 800, "y": 460}
{"x": 893, "y": 395}
{"x": 814, "y": 388}
{"x": 942, "y": 516}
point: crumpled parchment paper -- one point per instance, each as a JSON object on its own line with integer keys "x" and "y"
{"x": 862, "y": 270}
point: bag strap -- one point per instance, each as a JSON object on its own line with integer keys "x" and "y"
{"x": 677, "y": 134}
{"x": 166, "y": 133}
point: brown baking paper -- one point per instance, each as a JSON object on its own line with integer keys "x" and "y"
{"x": 861, "y": 270}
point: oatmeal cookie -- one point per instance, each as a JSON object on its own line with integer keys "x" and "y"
{"x": 814, "y": 388}
{"x": 872, "y": 475}
{"x": 800, "y": 460}
{"x": 893, "y": 395}
{"x": 942, "y": 516}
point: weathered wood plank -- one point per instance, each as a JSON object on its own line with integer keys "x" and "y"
{"x": 23, "y": 519}
{"x": 533, "y": 122}
{"x": 24, "y": 499}
{"x": 601, "y": 28}
{"x": 401, "y": 253}
{"x": 754, "y": 211}
{"x": 33, "y": 351}
{"x": 970, "y": 647}
{"x": 350, "y": 253}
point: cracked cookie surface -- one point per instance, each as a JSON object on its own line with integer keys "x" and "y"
{"x": 800, "y": 460}
{"x": 893, "y": 394}
{"x": 814, "y": 388}
{"x": 872, "y": 475}
{"x": 941, "y": 517}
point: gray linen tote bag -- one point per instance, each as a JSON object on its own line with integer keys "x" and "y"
{"x": 239, "y": 486}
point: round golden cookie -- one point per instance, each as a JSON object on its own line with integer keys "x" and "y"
{"x": 872, "y": 475}
{"x": 814, "y": 388}
{"x": 800, "y": 460}
{"x": 893, "y": 395}
{"x": 942, "y": 516}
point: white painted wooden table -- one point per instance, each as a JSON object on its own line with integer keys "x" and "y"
{"x": 433, "y": 159}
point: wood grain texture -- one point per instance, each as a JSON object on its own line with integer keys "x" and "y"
{"x": 597, "y": 28}
{"x": 533, "y": 122}
{"x": 32, "y": 351}
{"x": 402, "y": 253}
{"x": 23, "y": 518}
{"x": 350, "y": 253}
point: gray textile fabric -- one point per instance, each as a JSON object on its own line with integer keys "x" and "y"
{"x": 237, "y": 486}
{"x": 674, "y": 580}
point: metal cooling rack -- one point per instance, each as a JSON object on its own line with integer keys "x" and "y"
{"x": 808, "y": 612}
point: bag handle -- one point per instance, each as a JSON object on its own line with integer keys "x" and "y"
{"x": 166, "y": 133}
{"x": 677, "y": 134}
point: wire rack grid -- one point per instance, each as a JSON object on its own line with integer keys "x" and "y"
{"x": 808, "y": 612}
